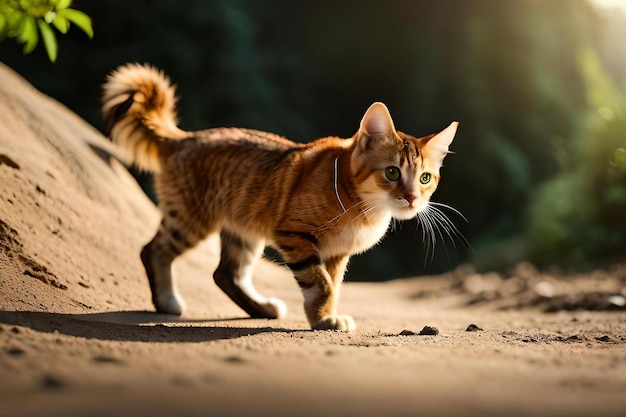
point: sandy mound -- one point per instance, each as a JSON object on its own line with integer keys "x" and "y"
{"x": 71, "y": 217}
{"x": 77, "y": 335}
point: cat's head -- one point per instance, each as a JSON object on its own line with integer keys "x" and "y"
{"x": 394, "y": 171}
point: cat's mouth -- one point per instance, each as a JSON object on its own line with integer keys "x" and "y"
{"x": 402, "y": 209}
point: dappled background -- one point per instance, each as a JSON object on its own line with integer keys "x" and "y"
{"x": 537, "y": 85}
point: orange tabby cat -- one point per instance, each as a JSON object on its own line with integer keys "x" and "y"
{"x": 316, "y": 203}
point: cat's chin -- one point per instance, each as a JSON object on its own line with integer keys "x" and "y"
{"x": 405, "y": 213}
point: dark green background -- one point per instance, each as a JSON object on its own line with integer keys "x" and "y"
{"x": 537, "y": 87}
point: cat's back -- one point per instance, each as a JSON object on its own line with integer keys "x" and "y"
{"x": 250, "y": 149}
{"x": 243, "y": 138}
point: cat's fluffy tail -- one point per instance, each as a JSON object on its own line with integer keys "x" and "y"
{"x": 139, "y": 107}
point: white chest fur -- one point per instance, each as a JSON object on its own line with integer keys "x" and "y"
{"x": 355, "y": 237}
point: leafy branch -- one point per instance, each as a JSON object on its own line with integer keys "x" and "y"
{"x": 25, "y": 20}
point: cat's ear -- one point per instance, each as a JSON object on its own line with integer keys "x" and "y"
{"x": 436, "y": 146}
{"x": 375, "y": 125}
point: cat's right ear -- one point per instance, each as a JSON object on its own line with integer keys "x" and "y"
{"x": 375, "y": 125}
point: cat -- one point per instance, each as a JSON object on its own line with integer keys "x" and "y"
{"x": 316, "y": 203}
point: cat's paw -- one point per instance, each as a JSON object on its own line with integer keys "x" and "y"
{"x": 169, "y": 304}
{"x": 276, "y": 308}
{"x": 337, "y": 322}
{"x": 271, "y": 308}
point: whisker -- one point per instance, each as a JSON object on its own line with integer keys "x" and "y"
{"x": 427, "y": 232}
{"x": 445, "y": 224}
{"x": 433, "y": 203}
{"x": 442, "y": 223}
{"x": 436, "y": 225}
{"x": 337, "y": 217}
{"x": 453, "y": 228}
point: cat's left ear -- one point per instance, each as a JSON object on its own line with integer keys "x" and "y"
{"x": 375, "y": 125}
{"x": 436, "y": 146}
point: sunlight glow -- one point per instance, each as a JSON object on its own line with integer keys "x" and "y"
{"x": 615, "y": 5}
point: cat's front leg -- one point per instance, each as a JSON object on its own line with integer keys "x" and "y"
{"x": 321, "y": 294}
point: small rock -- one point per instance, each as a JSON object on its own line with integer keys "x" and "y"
{"x": 429, "y": 331}
{"x": 617, "y": 300}
{"x": 545, "y": 289}
{"x": 473, "y": 284}
{"x": 51, "y": 382}
{"x": 15, "y": 351}
{"x": 234, "y": 359}
{"x": 5, "y": 160}
{"x": 406, "y": 332}
{"x": 106, "y": 359}
{"x": 604, "y": 338}
{"x": 15, "y": 330}
{"x": 473, "y": 328}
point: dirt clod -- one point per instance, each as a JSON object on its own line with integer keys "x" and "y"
{"x": 429, "y": 331}
{"x": 473, "y": 328}
{"x": 15, "y": 351}
{"x": 51, "y": 382}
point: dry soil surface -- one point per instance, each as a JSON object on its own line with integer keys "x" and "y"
{"x": 78, "y": 335}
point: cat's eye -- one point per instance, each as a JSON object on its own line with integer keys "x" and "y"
{"x": 425, "y": 178}
{"x": 392, "y": 173}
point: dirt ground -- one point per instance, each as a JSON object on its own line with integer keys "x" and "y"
{"x": 78, "y": 336}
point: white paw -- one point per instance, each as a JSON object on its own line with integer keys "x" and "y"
{"x": 337, "y": 322}
{"x": 170, "y": 303}
{"x": 276, "y": 308}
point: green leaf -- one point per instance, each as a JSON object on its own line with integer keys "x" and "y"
{"x": 61, "y": 23}
{"x": 28, "y": 34}
{"x": 62, "y": 4}
{"x": 14, "y": 23}
{"x": 49, "y": 40}
{"x": 79, "y": 18}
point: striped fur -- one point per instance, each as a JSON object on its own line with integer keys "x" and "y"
{"x": 316, "y": 203}
{"x": 139, "y": 109}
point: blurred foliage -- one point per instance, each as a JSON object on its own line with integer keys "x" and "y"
{"x": 578, "y": 219}
{"x": 518, "y": 75}
{"x": 20, "y": 19}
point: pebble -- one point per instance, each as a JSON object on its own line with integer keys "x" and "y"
{"x": 545, "y": 289}
{"x": 51, "y": 382}
{"x": 426, "y": 331}
{"x": 15, "y": 351}
{"x": 473, "y": 328}
{"x": 429, "y": 331}
{"x": 617, "y": 300}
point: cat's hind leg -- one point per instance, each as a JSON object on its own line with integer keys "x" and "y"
{"x": 157, "y": 257}
{"x": 234, "y": 276}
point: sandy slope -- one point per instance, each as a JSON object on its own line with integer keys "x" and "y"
{"x": 77, "y": 336}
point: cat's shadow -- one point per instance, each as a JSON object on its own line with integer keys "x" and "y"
{"x": 133, "y": 326}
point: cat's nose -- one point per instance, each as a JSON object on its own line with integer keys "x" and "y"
{"x": 410, "y": 197}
